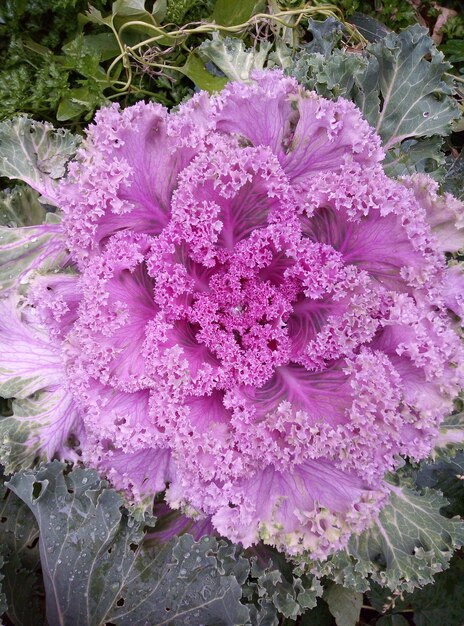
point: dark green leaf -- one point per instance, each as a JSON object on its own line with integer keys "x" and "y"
{"x": 68, "y": 110}
{"x": 369, "y": 27}
{"x": 453, "y": 180}
{"x": 454, "y": 50}
{"x": 133, "y": 8}
{"x": 441, "y": 603}
{"x": 344, "y": 604}
{"x": 318, "y": 616}
{"x": 229, "y": 13}
{"x": 3, "y": 604}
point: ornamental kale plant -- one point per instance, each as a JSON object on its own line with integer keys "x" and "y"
{"x": 237, "y": 306}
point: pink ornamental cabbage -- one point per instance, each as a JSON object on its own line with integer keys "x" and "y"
{"x": 252, "y": 314}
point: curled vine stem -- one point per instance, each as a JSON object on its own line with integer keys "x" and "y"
{"x": 166, "y": 37}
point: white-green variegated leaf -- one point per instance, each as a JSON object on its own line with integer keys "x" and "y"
{"x": 40, "y": 426}
{"x": 36, "y": 153}
{"x": 410, "y": 543}
{"x": 20, "y": 206}
{"x": 30, "y": 249}
{"x": 89, "y": 545}
{"x": 232, "y": 58}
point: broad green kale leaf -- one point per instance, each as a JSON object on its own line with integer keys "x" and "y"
{"x": 22, "y": 583}
{"x": 35, "y": 152}
{"x": 89, "y": 544}
{"x": 399, "y": 83}
{"x": 404, "y": 95}
{"x": 408, "y": 545}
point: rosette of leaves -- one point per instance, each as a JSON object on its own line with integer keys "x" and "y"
{"x": 412, "y": 541}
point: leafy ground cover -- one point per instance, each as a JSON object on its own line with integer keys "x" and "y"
{"x": 72, "y": 550}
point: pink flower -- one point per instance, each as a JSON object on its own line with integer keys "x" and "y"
{"x": 257, "y": 316}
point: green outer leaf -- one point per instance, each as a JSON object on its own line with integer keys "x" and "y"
{"x": 331, "y": 76}
{"x": 89, "y": 544}
{"x": 229, "y": 13}
{"x": 271, "y": 590}
{"x": 195, "y": 69}
{"x": 35, "y": 153}
{"x": 416, "y": 98}
{"x": 410, "y": 543}
{"x": 325, "y": 35}
{"x": 232, "y": 58}
{"x": 344, "y": 604}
